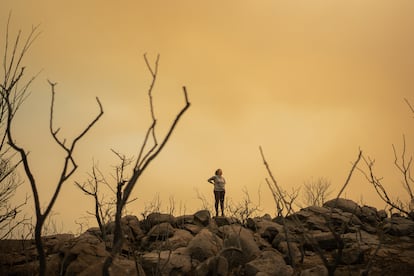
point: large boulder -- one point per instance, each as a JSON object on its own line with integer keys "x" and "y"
{"x": 312, "y": 217}
{"x": 270, "y": 262}
{"x": 345, "y": 205}
{"x": 118, "y": 267}
{"x": 399, "y": 226}
{"x": 161, "y": 231}
{"x": 318, "y": 270}
{"x": 156, "y": 218}
{"x": 202, "y": 217}
{"x": 181, "y": 221}
{"x": 204, "y": 245}
{"x": 242, "y": 238}
{"x": 265, "y": 228}
{"x": 220, "y": 221}
{"x": 167, "y": 262}
{"x": 216, "y": 265}
{"x": 81, "y": 253}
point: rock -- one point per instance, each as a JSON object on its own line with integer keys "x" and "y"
{"x": 118, "y": 267}
{"x": 204, "y": 245}
{"x": 216, "y": 265}
{"x": 161, "y": 231}
{"x": 261, "y": 242}
{"x": 177, "y": 262}
{"x": 220, "y": 221}
{"x": 295, "y": 252}
{"x": 361, "y": 238}
{"x": 270, "y": 262}
{"x": 54, "y": 243}
{"x": 193, "y": 229}
{"x": 234, "y": 256}
{"x": 95, "y": 231}
{"x": 181, "y": 238}
{"x": 382, "y": 214}
{"x": 318, "y": 270}
{"x": 341, "y": 219}
{"x": 134, "y": 226}
{"x": 183, "y": 220}
{"x": 325, "y": 240}
{"x": 83, "y": 252}
{"x": 266, "y": 217}
{"x": 202, "y": 217}
{"x": 352, "y": 255}
{"x": 399, "y": 226}
{"x": 109, "y": 228}
{"x": 157, "y": 218}
{"x": 369, "y": 215}
{"x": 240, "y": 237}
{"x": 313, "y": 217}
{"x": 345, "y": 205}
{"x": 265, "y": 228}
{"x": 269, "y": 232}
{"x": 200, "y": 245}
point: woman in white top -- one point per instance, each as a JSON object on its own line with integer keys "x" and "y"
{"x": 219, "y": 190}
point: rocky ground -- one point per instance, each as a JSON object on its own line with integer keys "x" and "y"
{"x": 352, "y": 239}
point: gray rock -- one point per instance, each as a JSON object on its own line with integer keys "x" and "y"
{"x": 204, "y": 245}
{"x": 192, "y": 228}
{"x": 135, "y": 228}
{"x": 265, "y": 228}
{"x": 325, "y": 240}
{"x": 399, "y": 226}
{"x": 382, "y": 214}
{"x": 157, "y": 218}
{"x": 234, "y": 256}
{"x": 181, "y": 238}
{"x": 118, "y": 267}
{"x": 345, "y": 205}
{"x": 240, "y": 237}
{"x": 352, "y": 255}
{"x": 318, "y": 270}
{"x": 369, "y": 215}
{"x": 183, "y": 220}
{"x": 295, "y": 252}
{"x": 83, "y": 252}
{"x": 220, "y": 221}
{"x": 216, "y": 265}
{"x": 361, "y": 238}
{"x": 202, "y": 217}
{"x": 177, "y": 262}
{"x": 161, "y": 231}
{"x": 270, "y": 262}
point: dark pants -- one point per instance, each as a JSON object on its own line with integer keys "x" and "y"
{"x": 219, "y": 197}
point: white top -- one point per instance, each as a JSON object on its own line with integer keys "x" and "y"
{"x": 218, "y": 182}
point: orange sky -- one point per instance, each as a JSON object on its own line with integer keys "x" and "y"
{"x": 310, "y": 81}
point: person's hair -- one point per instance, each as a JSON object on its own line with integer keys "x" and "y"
{"x": 217, "y": 171}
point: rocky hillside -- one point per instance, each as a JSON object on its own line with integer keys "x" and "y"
{"x": 340, "y": 236}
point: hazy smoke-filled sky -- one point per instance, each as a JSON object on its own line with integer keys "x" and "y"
{"x": 312, "y": 82}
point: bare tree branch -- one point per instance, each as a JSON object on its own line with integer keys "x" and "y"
{"x": 145, "y": 157}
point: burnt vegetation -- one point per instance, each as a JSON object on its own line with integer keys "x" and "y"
{"x": 325, "y": 235}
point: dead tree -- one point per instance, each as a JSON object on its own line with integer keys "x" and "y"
{"x": 69, "y": 167}
{"x": 316, "y": 192}
{"x": 330, "y": 263}
{"x": 9, "y": 213}
{"x": 146, "y": 154}
{"x": 102, "y": 208}
{"x": 12, "y": 93}
{"x": 403, "y": 164}
{"x": 9, "y": 179}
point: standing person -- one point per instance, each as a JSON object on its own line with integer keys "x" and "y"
{"x": 219, "y": 191}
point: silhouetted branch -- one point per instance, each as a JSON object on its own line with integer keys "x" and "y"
{"x": 145, "y": 157}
